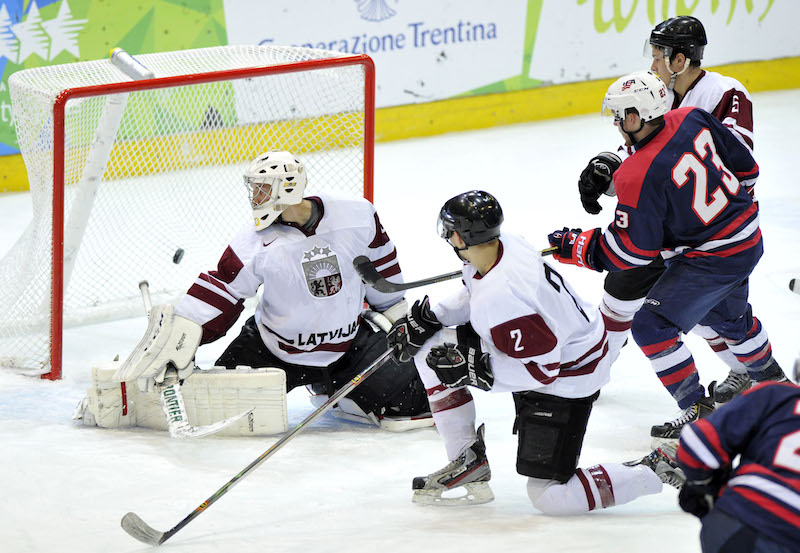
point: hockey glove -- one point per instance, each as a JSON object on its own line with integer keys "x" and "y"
{"x": 574, "y": 246}
{"x": 459, "y": 365}
{"x": 410, "y": 332}
{"x": 697, "y": 497}
{"x": 596, "y": 179}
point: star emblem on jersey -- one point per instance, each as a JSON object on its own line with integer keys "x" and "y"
{"x": 321, "y": 268}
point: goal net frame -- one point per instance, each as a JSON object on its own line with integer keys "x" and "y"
{"x": 57, "y": 276}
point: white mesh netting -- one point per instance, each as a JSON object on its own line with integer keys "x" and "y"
{"x": 172, "y": 179}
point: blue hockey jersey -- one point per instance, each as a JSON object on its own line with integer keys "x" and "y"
{"x": 683, "y": 192}
{"x": 763, "y": 426}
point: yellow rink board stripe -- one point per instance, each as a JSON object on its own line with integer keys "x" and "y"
{"x": 428, "y": 119}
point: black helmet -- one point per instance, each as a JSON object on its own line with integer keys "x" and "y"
{"x": 680, "y": 35}
{"x": 475, "y": 215}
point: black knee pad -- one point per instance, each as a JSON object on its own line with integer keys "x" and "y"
{"x": 394, "y": 389}
{"x": 550, "y": 430}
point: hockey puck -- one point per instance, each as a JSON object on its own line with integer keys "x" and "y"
{"x": 176, "y": 258}
{"x": 793, "y": 286}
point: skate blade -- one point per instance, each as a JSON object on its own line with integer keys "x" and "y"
{"x": 403, "y": 424}
{"x": 474, "y": 493}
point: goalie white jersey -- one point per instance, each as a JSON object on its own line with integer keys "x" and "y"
{"x": 539, "y": 334}
{"x": 299, "y": 273}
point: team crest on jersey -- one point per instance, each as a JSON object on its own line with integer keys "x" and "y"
{"x": 321, "y": 268}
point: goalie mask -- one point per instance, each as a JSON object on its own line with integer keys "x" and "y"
{"x": 274, "y": 181}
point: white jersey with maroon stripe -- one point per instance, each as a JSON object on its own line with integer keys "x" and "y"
{"x": 312, "y": 298}
{"x": 539, "y": 334}
{"x": 723, "y": 97}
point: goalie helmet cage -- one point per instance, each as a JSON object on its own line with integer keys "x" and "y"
{"x": 142, "y": 179}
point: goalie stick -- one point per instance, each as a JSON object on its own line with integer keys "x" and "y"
{"x": 140, "y": 530}
{"x": 172, "y": 400}
{"x": 370, "y": 275}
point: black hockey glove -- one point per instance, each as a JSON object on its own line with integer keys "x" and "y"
{"x": 574, "y": 246}
{"x": 459, "y": 365}
{"x": 596, "y": 179}
{"x": 412, "y": 330}
{"x": 698, "y": 497}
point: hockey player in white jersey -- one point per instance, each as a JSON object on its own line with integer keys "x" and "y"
{"x": 516, "y": 326}
{"x": 310, "y": 319}
{"x": 676, "y": 48}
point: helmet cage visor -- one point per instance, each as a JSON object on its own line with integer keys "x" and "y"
{"x": 445, "y": 225}
{"x": 260, "y": 190}
{"x": 648, "y": 51}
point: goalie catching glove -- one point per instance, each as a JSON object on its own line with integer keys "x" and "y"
{"x": 411, "y": 331}
{"x": 170, "y": 340}
{"x": 458, "y": 365}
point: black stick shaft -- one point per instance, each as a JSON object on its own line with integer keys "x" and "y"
{"x": 343, "y": 391}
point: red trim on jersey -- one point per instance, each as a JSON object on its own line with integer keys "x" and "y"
{"x": 390, "y": 271}
{"x": 459, "y": 397}
{"x": 686, "y": 458}
{"x": 747, "y": 244}
{"x": 629, "y": 178}
{"x": 753, "y": 468}
{"x": 524, "y": 337}
{"x": 341, "y": 347}
{"x": 594, "y": 349}
{"x": 652, "y": 349}
{"x": 386, "y": 258}
{"x": 767, "y": 503}
{"x": 535, "y": 370}
{"x": 743, "y": 115}
{"x": 479, "y": 276}
{"x": 586, "y": 369}
{"x": 670, "y": 379}
{"x": 611, "y": 255}
{"x": 586, "y": 488}
{"x": 735, "y": 224}
{"x": 710, "y": 433}
{"x": 381, "y": 237}
{"x": 228, "y": 267}
{"x": 437, "y": 388}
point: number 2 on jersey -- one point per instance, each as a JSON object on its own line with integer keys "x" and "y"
{"x": 691, "y": 163}
{"x": 788, "y": 453}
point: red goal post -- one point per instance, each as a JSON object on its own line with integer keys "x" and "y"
{"x": 141, "y": 179}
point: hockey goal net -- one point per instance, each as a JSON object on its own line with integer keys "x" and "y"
{"x": 137, "y": 175}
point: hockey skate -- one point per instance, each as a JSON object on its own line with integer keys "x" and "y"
{"x": 663, "y": 462}
{"x": 469, "y": 474}
{"x": 772, "y": 373}
{"x": 670, "y": 431}
{"x": 733, "y": 385}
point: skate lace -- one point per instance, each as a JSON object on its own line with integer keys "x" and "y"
{"x": 688, "y": 415}
{"x": 734, "y": 380}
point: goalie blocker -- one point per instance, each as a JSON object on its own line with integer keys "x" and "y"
{"x": 209, "y": 396}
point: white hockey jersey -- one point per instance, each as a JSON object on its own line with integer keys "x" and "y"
{"x": 540, "y": 335}
{"x": 311, "y": 297}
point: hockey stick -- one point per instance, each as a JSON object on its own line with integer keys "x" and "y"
{"x": 172, "y": 399}
{"x": 139, "y": 529}
{"x": 370, "y": 275}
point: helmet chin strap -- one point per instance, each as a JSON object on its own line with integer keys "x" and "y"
{"x": 673, "y": 74}
{"x": 630, "y": 134}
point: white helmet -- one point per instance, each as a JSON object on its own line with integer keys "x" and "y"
{"x": 643, "y": 91}
{"x": 274, "y": 181}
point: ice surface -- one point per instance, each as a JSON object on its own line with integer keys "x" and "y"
{"x": 344, "y": 487}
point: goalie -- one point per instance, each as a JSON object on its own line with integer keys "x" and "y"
{"x": 310, "y": 320}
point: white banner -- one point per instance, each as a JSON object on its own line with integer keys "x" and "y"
{"x": 424, "y": 50}
{"x": 593, "y": 39}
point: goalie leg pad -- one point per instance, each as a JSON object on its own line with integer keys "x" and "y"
{"x": 209, "y": 396}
